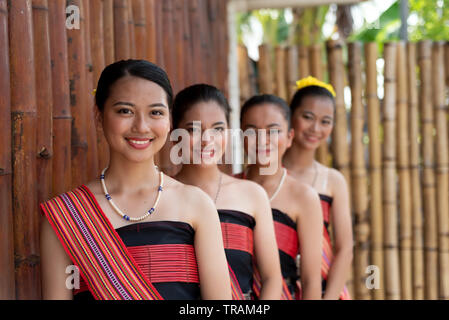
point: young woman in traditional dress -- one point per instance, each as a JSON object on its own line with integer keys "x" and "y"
{"x": 243, "y": 206}
{"x": 134, "y": 233}
{"x": 295, "y": 206}
{"x": 313, "y": 110}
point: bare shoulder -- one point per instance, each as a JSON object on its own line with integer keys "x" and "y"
{"x": 336, "y": 179}
{"x": 186, "y": 194}
{"x": 192, "y": 201}
{"x": 301, "y": 190}
{"x": 246, "y": 187}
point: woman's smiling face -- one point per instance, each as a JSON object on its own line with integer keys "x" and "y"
{"x": 313, "y": 121}
{"x": 274, "y": 134}
{"x": 136, "y": 118}
{"x": 206, "y": 124}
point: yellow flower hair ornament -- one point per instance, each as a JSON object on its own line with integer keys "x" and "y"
{"x": 311, "y": 81}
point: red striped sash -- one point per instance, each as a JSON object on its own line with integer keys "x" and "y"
{"x": 327, "y": 256}
{"x": 287, "y": 239}
{"x": 95, "y": 248}
{"x": 237, "y": 237}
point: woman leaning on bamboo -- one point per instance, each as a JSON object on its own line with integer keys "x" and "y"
{"x": 313, "y": 110}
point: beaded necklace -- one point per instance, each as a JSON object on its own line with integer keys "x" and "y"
{"x": 124, "y": 216}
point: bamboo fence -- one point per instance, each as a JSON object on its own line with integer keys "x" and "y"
{"x": 391, "y": 143}
{"x": 49, "y": 139}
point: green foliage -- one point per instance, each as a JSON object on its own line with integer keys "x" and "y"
{"x": 433, "y": 20}
{"x": 432, "y": 17}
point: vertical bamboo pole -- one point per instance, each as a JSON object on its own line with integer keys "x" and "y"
{"x": 428, "y": 176}
{"x": 121, "y": 30}
{"x": 24, "y": 152}
{"x": 160, "y": 59}
{"x": 446, "y": 61}
{"x": 317, "y": 71}
{"x": 392, "y": 276}
{"x": 188, "y": 47}
{"x": 266, "y": 78}
{"x": 205, "y": 42}
{"x": 375, "y": 165}
{"x": 92, "y": 143}
{"x": 44, "y": 99}
{"x": 62, "y": 120}
{"x": 212, "y": 8}
{"x": 98, "y": 64}
{"x": 196, "y": 39}
{"x": 151, "y": 30}
{"x": 413, "y": 119}
{"x": 7, "y": 286}
{"x": 78, "y": 100}
{"x": 131, "y": 29}
{"x": 403, "y": 167}
{"x": 168, "y": 41}
{"x": 340, "y": 149}
{"x": 358, "y": 174}
{"x": 223, "y": 48}
{"x": 140, "y": 28}
{"x": 442, "y": 167}
{"x": 243, "y": 73}
{"x": 108, "y": 28}
{"x": 178, "y": 24}
{"x": 292, "y": 70}
{"x": 303, "y": 62}
{"x": 280, "y": 75}
{"x": 337, "y": 79}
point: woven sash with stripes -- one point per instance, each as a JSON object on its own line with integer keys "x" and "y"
{"x": 96, "y": 249}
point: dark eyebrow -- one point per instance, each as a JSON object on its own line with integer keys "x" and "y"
{"x": 123, "y": 103}
{"x": 273, "y": 125}
{"x": 218, "y": 123}
{"x": 157, "y": 104}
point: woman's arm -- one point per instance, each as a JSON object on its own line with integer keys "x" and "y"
{"x": 266, "y": 250}
{"x": 54, "y": 262}
{"x": 215, "y": 283}
{"x": 310, "y": 236}
{"x": 343, "y": 242}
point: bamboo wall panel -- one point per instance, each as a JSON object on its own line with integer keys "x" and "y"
{"x": 401, "y": 217}
{"x": 417, "y": 223}
{"x": 428, "y": 174}
{"x": 7, "y": 286}
{"x": 375, "y": 166}
{"x": 24, "y": 151}
{"x": 403, "y": 168}
{"x": 49, "y": 139}
{"x": 62, "y": 120}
